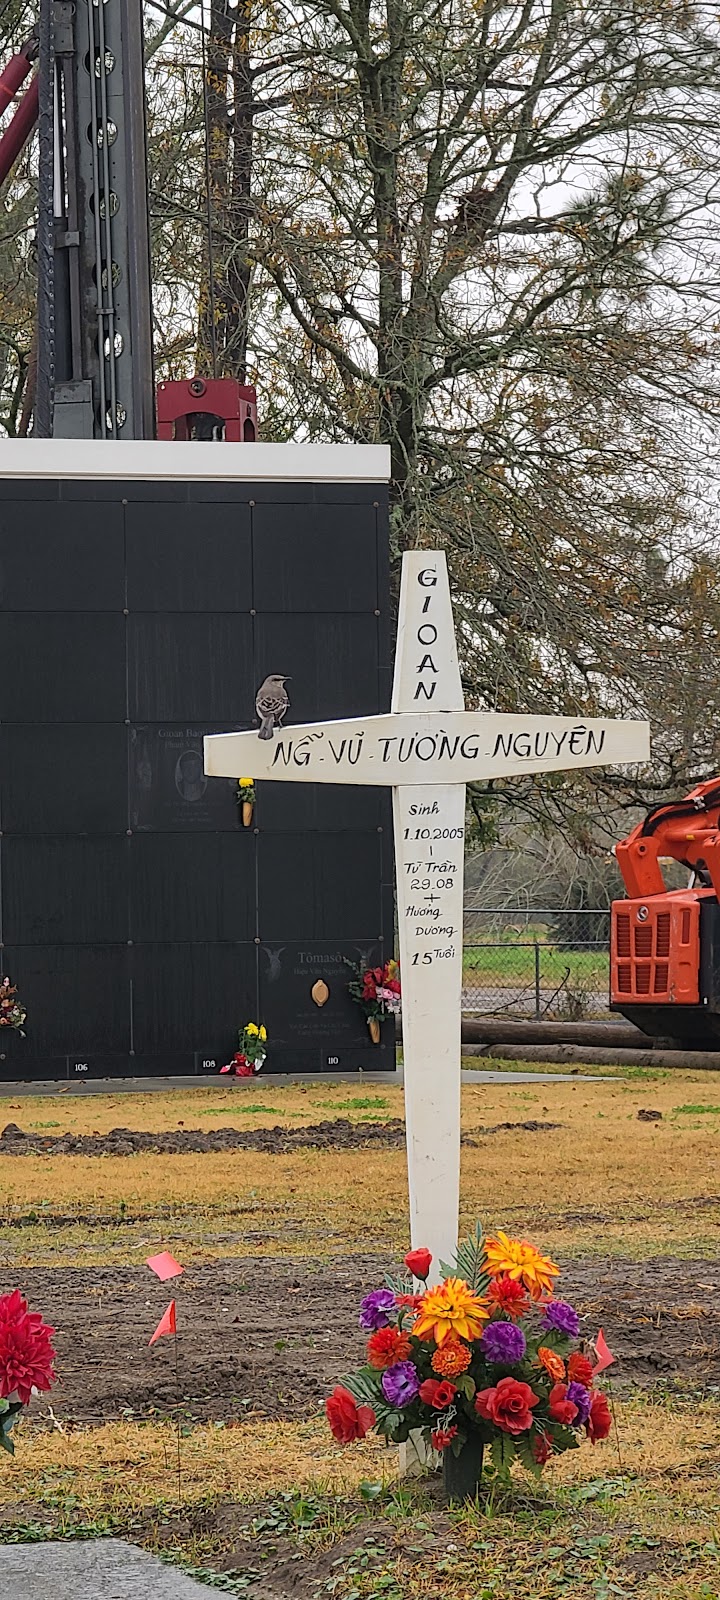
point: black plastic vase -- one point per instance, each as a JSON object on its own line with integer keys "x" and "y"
{"x": 462, "y": 1473}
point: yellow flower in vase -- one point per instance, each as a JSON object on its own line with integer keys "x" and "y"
{"x": 251, "y": 1027}
{"x": 451, "y": 1310}
{"x": 517, "y": 1259}
{"x": 262, "y": 1034}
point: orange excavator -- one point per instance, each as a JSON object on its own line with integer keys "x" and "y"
{"x": 665, "y": 943}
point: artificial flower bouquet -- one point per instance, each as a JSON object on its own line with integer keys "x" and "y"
{"x": 249, "y": 1058}
{"x": 377, "y": 991}
{"x": 488, "y": 1357}
{"x": 12, "y": 1011}
{"x": 26, "y": 1361}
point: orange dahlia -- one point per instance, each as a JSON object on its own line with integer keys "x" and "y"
{"x": 553, "y": 1364}
{"x": 452, "y": 1308}
{"x": 387, "y": 1346}
{"x": 520, "y": 1260}
{"x": 451, "y": 1359}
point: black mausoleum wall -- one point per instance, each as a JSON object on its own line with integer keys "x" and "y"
{"x": 142, "y": 923}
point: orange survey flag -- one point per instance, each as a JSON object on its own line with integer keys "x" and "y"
{"x": 166, "y": 1324}
{"x": 164, "y": 1266}
{"x": 605, "y": 1357}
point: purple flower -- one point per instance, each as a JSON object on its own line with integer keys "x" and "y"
{"x": 503, "y": 1342}
{"x": 375, "y": 1309}
{"x": 562, "y": 1317}
{"x": 400, "y": 1383}
{"x": 577, "y": 1393}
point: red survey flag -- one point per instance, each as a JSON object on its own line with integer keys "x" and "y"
{"x": 164, "y": 1266}
{"x": 166, "y": 1324}
{"x": 605, "y": 1357}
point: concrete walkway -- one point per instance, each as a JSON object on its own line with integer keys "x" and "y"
{"x": 115, "y": 1086}
{"x": 99, "y": 1569}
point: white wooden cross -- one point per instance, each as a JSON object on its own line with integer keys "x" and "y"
{"x": 427, "y": 749}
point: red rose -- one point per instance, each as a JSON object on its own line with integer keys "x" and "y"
{"x": 599, "y": 1422}
{"x": 419, "y": 1262}
{"x": 580, "y": 1370}
{"x": 541, "y": 1448}
{"x": 561, "y": 1410}
{"x": 509, "y": 1405}
{"x": 437, "y": 1394}
{"x": 347, "y": 1419}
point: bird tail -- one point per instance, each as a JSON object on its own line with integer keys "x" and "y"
{"x": 267, "y": 728}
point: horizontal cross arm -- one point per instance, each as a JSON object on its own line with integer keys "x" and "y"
{"x": 427, "y": 747}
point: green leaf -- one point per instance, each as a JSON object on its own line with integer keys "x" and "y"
{"x": 466, "y": 1385}
{"x": 370, "y": 1491}
{"x": 470, "y": 1262}
{"x": 502, "y": 1449}
{"x": 563, "y": 1438}
{"x": 524, "y": 1453}
{"x": 8, "y": 1417}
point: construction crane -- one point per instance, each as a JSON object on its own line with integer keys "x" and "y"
{"x": 95, "y": 368}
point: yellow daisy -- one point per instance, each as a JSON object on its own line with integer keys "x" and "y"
{"x": 451, "y": 1310}
{"x": 515, "y": 1258}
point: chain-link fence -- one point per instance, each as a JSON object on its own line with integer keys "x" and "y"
{"x": 536, "y": 963}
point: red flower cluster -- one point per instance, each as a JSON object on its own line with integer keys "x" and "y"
{"x": 580, "y": 1369}
{"x": 386, "y": 1347}
{"x": 509, "y": 1405}
{"x": 442, "y": 1437}
{"x": 379, "y": 978}
{"x": 438, "y": 1394}
{"x": 411, "y": 1302}
{"x": 26, "y": 1354}
{"x": 508, "y": 1295}
{"x": 347, "y": 1419}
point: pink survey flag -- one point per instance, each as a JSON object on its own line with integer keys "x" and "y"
{"x": 164, "y": 1266}
{"x": 166, "y": 1325}
{"x": 605, "y": 1357}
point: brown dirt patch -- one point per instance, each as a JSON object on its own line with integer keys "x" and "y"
{"x": 270, "y": 1337}
{"x": 339, "y": 1134}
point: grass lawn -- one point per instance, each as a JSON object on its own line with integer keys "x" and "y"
{"x": 500, "y": 965}
{"x": 276, "y": 1246}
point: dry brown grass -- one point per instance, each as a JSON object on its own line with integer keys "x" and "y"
{"x": 603, "y": 1182}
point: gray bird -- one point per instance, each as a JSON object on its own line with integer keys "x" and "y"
{"x": 271, "y": 703}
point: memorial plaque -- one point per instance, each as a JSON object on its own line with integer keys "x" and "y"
{"x": 288, "y": 973}
{"x": 169, "y": 791}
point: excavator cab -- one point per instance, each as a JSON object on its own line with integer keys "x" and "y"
{"x": 665, "y": 943}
